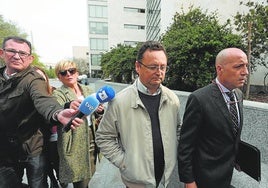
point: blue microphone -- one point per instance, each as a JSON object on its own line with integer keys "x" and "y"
{"x": 91, "y": 103}
{"x": 105, "y": 94}
{"x": 87, "y": 107}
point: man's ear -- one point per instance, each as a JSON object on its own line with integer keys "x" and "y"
{"x": 32, "y": 58}
{"x": 219, "y": 69}
{"x": 1, "y": 53}
{"x": 137, "y": 67}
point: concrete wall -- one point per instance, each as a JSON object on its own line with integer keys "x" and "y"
{"x": 255, "y": 132}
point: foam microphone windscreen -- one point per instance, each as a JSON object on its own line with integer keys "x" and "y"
{"x": 105, "y": 94}
{"x": 87, "y": 107}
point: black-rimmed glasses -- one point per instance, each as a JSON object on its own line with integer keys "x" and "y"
{"x": 154, "y": 68}
{"x": 70, "y": 70}
{"x": 12, "y": 52}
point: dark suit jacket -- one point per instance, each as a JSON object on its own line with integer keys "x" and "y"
{"x": 207, "y": 146}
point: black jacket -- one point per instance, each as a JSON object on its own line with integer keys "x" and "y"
{"x": 25, "y": 105}
{"x": 208, "y": 145}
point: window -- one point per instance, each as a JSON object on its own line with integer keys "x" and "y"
{"x": 98, "y": 28}
{"x": 95, "y": 59}
{"x": 130, "y": 26}
{"x": 98, "y": 44}
{"x": 97, "y": 11}
{"x": 129, "y": 9}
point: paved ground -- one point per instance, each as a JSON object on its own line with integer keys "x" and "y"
{"x": 108, "y": 176}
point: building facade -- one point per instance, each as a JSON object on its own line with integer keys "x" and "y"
{"x": 113, "y": 22}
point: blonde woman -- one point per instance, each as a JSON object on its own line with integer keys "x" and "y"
{"x": 75, "y": 147}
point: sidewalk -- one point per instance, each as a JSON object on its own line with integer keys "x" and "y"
{"x": 108, "y": 176}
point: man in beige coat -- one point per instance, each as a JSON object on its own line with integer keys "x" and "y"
{"x": 139, "y": 130}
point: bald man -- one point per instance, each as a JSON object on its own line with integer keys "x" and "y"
{"x": 209, "y": 136}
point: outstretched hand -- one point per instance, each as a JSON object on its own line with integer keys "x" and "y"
{"x": 65, "y": 116}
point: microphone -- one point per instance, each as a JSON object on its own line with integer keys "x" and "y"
{"x": 91, "y": 103}
{"x": 87, "y": 107}
{"x": 105, "y": 94}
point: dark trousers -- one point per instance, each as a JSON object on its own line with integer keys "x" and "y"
{"x": 36, "y": 171}
{"x": 53, "y": 161}
{"x": 8, "y": 178}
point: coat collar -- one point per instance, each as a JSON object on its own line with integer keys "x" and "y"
{"x": 222, "y": 106}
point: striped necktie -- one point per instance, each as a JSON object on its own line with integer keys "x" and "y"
{"x": 233, "y": 112}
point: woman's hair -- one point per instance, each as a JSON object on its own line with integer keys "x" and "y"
{"x": 64, "y": 64}
{"x": 44, "y": 75}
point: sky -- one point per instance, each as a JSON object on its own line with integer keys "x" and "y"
{"x": 53, "y": 26}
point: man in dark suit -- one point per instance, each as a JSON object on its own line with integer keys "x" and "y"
{"x": 209, "y": 136}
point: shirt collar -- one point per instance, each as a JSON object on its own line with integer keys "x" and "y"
{"x": 224, "y": 89}
{"x": 8, "y": 76}
{"x": 142, "y": 88}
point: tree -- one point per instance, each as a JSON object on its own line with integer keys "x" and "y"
{"x": 192, "y": 43}
{"x": 8, "y": 28}
{"x": 253, "y": 27}
{"x": 118, "y": 63}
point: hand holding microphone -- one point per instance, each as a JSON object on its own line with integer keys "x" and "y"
{"x": 91, "y": 103}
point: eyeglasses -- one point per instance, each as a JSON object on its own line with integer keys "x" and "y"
{"x": 70, "y": 70}
{"x": 154, "y": 68}
{"x": 12, "y": 52}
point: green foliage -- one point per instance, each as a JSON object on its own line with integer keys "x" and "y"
{"x": 118, "y": 63}
{"x": 192, "y": 43}
{"x": 257, "y": 15}
{"x": 10, "y": 29}
{"x": 36, "y": 61}
{"x": 50, "y": 73}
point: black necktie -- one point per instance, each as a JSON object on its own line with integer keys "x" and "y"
{"x": 233, "y": 112}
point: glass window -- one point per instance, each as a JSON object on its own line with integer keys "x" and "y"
{"x": 130, "y": 26}
{"x": 97, "y": 11}
{"x": 98, "y": 28}
{"x": 95, "y": 59}
{"x": 98, "y": 44}
{"x": 129, "y": 9}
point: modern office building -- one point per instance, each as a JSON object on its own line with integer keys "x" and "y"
{"x": 159, "y": 14}
{"x": 113, "y": 22}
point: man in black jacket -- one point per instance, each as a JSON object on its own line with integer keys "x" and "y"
{"x": 209, "y": 135}
{"x": 24, "y": 104}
